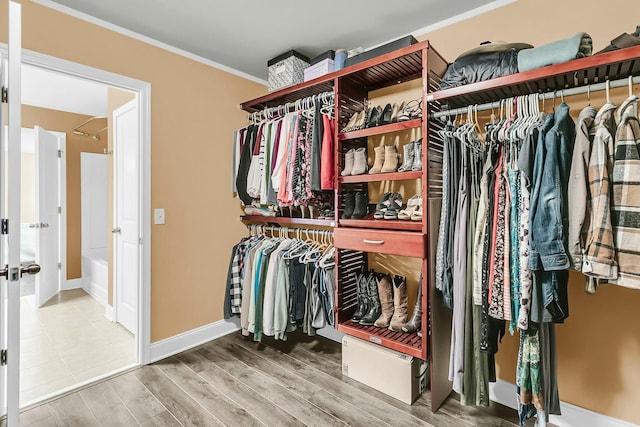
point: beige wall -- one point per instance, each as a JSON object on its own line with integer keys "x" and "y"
{"x": 115, "y": 98}
{"x": 599, "y": 345}
{"x": 194, "y": 110}
{"x": 62, "y": 121}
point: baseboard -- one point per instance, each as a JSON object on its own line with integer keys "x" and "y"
{"x": 195, "y": 337}
{"x": 331, "y": 333}
{"x": 98, "y": 293}
{"x": 109, "y": 313}
{"x": 504, "y": 392}
{"x": 69, "y": 284}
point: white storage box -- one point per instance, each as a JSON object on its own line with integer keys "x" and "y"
{"x": 320, "y": 69}
{"x": 396, "y": 374}
{"x": 286, "y": 69}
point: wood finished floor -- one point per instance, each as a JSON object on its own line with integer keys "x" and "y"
{"x": 236, "y": 382}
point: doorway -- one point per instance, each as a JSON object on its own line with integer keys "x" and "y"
{"x": 69, "y": 292}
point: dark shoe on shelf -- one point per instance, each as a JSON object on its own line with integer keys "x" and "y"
{"x": 395, "y": 206}
{"x": 361, "y": 208}
{"x": 415, "y": 323}
{"x": 385, "y": 117}
{"x": 362, "y": 297}
{"x": 374, "y": 118}
{"x": 374, "y": 302}
{"x": 349, "y": 205}
{"x": 382, "y": 206}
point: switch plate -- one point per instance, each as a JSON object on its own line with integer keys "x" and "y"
{"x": 158, "y": 216}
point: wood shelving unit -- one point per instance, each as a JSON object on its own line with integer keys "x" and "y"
{"x": 382, "y": 224}
{"x": 391, "y": 176}
{"x": 283, "y": 220}
{"x": 379, "y": 130}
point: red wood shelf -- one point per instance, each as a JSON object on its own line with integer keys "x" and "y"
{"x": 579, "y": 72}
{"x": 410, "y": 344}
{"x": 391, "y": 176}
{"x": 379, "y": 130}
{"x": 287, "y": 220}
{"x": 388, "y": 224}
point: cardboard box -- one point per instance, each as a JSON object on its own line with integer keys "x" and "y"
{"x": 286, "y": 69}
{"x": 320, "y": 69}
{"x": 396, "y": 374}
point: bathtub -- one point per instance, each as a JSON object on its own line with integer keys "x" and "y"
{"x": 95, "y": 274}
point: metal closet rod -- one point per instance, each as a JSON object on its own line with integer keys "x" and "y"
{"x": 300, "y": 104}
{"x": 308, "y": 232}
{"x": 547, "y": 95}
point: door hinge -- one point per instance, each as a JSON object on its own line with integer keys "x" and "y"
{"x": 5, "y": 95}
{"x": 59, "y": 266}
{"x": 59, "y": 154}
{"x": 3, "y": 357}
{"x": 4, "y": 226}
{"x": 59, "y": 209}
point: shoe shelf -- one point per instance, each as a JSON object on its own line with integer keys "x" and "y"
{"x": 287, "y": 220}
{"x": 391, "y": 176}
{"x": 379, "y": 130}
{"x": 614, "y": 65}
{"x": 410, "y": 344}
{"x": 388, "y": 224}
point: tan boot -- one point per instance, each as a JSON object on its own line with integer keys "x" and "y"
{"x": 378, "y": 160}
{"x": 399, "y": 303}
{"x": 390, "y": 159}
{"x": 359, "y": 161}
{"x": 385, "y": 294}
{"x": 348, "y": 163}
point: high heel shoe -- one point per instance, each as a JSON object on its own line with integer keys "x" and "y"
{"x": 413, "y": 205}
{"x": 374, "y": 118}
{"x": 412, "y": 110}
{"x": 359, "y": 123}
{"x": 350, "y": 123}
{"x": 385, "y": 117}
{"x": 396, "y": 111}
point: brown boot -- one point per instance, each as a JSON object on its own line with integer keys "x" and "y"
{"x": 390, "y": 159}
{"x": 386, "y": 302}
{"x": 378, "y": 160}
{"x": 399, "y": 303}
{"x": 415, "y": 323}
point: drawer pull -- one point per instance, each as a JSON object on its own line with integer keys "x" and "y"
{"x": 373, "y": 242}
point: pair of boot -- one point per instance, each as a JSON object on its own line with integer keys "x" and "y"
{"x": 393, "y": 303}
{"x": 356, "y": 205}
{"x": 368, "y": 309}
{"x": 385, "y": 159}
{"x": 412, "y": 157}
{"x": 355, "y": 162}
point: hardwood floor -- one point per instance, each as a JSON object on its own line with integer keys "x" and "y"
{"x": 235, "y": 382}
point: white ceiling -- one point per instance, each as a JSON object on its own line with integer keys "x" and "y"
{"x": 56, "y": 91}
{"x": 244, "y": 34}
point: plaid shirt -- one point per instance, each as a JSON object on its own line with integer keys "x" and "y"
{"x": 600, "y": 254}
{"x": 236, "y": 270}
{"x": 626, "y": 195}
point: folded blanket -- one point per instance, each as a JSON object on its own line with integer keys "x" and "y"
{"x": 578, "y": 46}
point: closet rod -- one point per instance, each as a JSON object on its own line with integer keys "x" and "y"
{"x": 300, "y": 104}
{"x": 306, "y": 232}
{"x": 547, "y": 95}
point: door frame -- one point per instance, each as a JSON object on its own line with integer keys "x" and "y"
{"x": 143, "y": 91}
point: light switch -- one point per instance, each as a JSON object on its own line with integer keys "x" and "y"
{"x": 158, "y": 216}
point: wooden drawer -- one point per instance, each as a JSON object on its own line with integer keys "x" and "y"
{"x": 386, "y": 242}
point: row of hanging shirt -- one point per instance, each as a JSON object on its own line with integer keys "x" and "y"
{"x": 511, "y": 223}
{"x": 278, "y": 284}
{"x": 287, "y": 158}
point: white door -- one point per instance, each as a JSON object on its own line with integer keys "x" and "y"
{"x": 47, "y": 216}
{"x": 10, "y": 247}
{"x": 126, "y": 229}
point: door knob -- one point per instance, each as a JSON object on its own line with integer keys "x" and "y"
{"x": 44, "y": 225}
{"x": 36, "y": 225}
{"x": 116, "y": 230}
{"x": 31, "y": 269}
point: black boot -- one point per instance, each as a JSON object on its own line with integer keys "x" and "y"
{"x": 415, "y": 323}
{"x": 374, "y": 302}
{"x": 363, "y": 300}
{"x": 349, "y": 205}
{"x": 361, "y": 205}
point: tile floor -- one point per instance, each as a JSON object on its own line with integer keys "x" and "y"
{"x": 66, "y": 342}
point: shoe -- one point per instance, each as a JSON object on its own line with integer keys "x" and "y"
{"x": 350, "y": 123}
{"x": 407, "y": 159}
{"x": 395, "y": 206}
{"x": 374, "y": 303}
{"x": 399, "y": 318}
{"x": 417, "y": 214}
{"x": 390, "y": 159}
{"x": 359, "y": 161}
{"x": 378, "y": 160}
{"x": 412, "y": 110}
{"x": 417, "y": 156}
{"x": 374, "y": 118}
{"x": 385, "y": 293}
{"x": 413, "y": 205}
{"x": 415, "y": 323}
{"x": 382, "y": 206}
{"x": 359, "y": 124}
{"x": 349, "y": 205}
{"x": 361, "y": 297}
{"x": 385, "y": 117}
{"x": 361, "y": 208}
{"x": 396, "y": 112}
{"x": 348, "y": 163}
